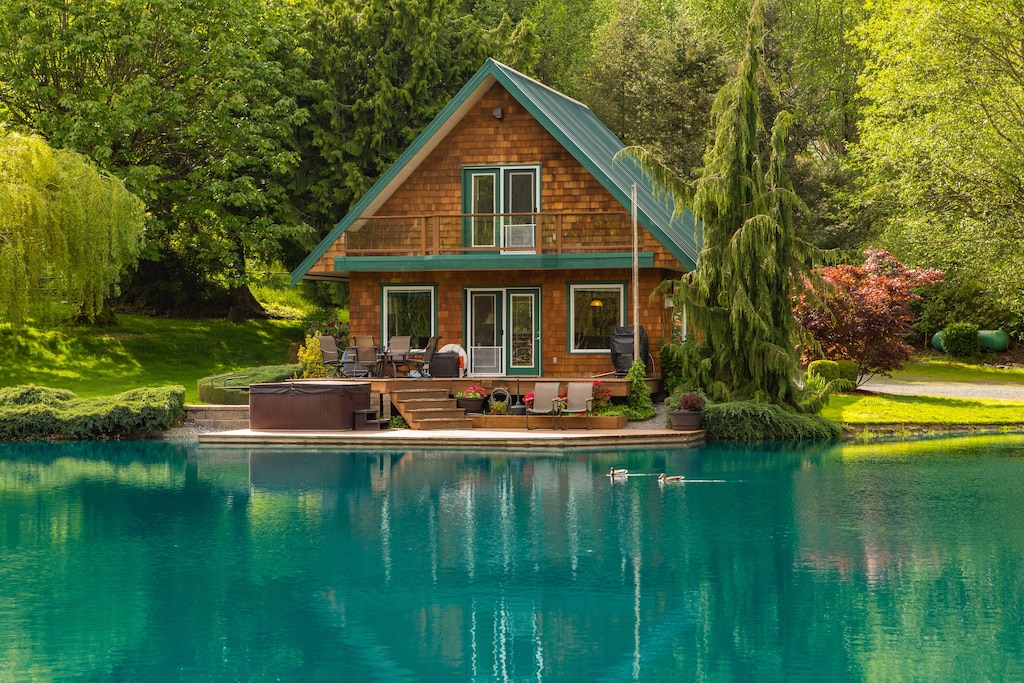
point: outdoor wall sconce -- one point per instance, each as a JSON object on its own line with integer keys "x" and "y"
{"x": 498, "y": 113}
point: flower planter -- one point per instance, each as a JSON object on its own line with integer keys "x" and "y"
{"x": 685, "y": 420}
{"x": 471, "y": 405}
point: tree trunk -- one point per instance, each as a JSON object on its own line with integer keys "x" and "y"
{"x": 244, "y": 306}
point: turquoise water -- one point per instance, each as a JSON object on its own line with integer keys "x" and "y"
{"x": 160, "y": 562}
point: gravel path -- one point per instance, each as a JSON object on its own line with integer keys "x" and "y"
{"x": 991, "y": 390}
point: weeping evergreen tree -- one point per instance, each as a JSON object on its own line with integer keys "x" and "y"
{"x": 67, "y": 231}
{"x": 739, "y": 297}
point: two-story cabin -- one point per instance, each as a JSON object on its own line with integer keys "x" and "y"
{"x": 506, "y": 228}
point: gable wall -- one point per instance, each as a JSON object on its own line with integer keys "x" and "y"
{"x": 435, "y": 187}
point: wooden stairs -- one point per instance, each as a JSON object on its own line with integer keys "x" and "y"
{"x": 429, "y": 409}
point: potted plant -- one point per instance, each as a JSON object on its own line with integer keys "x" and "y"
{"x": 472, "y": 398}
{"x": 684, "y": 408}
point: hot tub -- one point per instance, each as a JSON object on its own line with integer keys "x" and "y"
{"x": 313, "y": 406}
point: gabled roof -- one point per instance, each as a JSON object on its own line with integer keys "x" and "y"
{"x": 571, "y": 123}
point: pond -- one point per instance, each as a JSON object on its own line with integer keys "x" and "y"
{"x": 856, "y": 562}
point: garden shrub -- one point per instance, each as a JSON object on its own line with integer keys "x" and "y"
{"x": 134, "y": 412}
{"x": 233, "y": 388}
{"x": 325, "y": 321}
{"x": 828, "y": 370}
{"x": 639, "y": 407}
{"x": 848, "y": 370}
{"x": 311, "y": 358}
{"x": 961, "y": 340}
{"x": 671, "y": 357}
{"x": 751, "y": 421}
{"x": 32, "y": 395}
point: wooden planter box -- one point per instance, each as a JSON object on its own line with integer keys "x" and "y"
{"x": 546, "y": 422}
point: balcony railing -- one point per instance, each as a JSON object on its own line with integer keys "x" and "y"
{"x": 524, "y": 233}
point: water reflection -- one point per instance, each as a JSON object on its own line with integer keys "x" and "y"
{"x": 769, "y": 563}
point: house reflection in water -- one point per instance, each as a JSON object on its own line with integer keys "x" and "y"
{"x": 485, "y": 566}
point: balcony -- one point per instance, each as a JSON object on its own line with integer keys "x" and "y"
{"x": 511, "y": 241}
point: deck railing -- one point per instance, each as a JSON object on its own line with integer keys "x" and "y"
{"x": 530, "y": 233}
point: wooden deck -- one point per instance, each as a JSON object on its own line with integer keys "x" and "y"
{"x": 428, "y": 403}
{"x": 428, "y": 406}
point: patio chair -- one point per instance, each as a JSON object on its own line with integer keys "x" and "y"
{"x": 579, "y": 398}
{"x": 423, "y": 364}
{"x": 329, "y": 351}
{"x": 368, "y": 360}
{"x": 397, "y": 353}
{"x": 545, "y": 401}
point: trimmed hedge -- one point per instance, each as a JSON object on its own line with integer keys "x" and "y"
{"x": 848, "y": 370}
{"x": 960, "y": 340}
{"x": 828, "y": 370}
{"x": 233, "y": 388}
{"x": 30, "y": 413}
{"x": 750, "y": 421}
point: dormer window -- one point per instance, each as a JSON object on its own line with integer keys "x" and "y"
{"x": 503, "y": 202}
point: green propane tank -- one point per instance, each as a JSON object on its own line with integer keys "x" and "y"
{"x": 993, "y": 340}
{"x": 937, "y": 341}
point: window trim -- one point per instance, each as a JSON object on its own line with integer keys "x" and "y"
{"x": 572, "y": 287}
{"x": 389, "y": 288}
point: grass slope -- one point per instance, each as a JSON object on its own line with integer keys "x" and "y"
{"x": 139, "y": 351}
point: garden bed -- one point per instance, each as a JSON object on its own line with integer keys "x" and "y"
{"x": 546, "y": 422}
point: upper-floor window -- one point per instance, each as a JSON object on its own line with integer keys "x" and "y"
{"x": 493, "y": 190}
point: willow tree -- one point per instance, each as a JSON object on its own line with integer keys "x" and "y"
{"x": 67, "y": 231}
{"x": 740, "y": 295}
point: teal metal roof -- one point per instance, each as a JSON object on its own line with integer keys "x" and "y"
{"x": 568, "y": 121}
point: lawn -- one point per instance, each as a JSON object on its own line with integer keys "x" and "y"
{"x": 888, "y": 409}
{"x": 139, "y": 351}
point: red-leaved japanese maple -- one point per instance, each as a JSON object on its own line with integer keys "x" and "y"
{"x": 866, "y": 316}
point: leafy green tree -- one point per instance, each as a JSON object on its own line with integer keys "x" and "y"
{"x": 378, "y": 72}
{"x": 188, "y": 104}
{"x": 942, "y": 141}
{"x": 67, "y": 231}
{"x": 652, "y": 79}
{"x": 739, "y": 297}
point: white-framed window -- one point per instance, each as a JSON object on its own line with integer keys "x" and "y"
{"x": 409, "y": 310}
{"x": 595, "y": 310}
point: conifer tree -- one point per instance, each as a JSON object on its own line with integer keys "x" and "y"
{"x": 739, "y": 297}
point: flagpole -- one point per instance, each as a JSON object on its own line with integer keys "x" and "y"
{"x": 636, "y": 283}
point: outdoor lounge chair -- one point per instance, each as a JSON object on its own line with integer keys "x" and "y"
{"x": 367, "y": 359}
{"x": 423, "y": 364}
{"x": 397, "y": 353}
{"x": 329, "y": 351}
{"x": 545, "y": 401}
{"x": 579, "y": 398}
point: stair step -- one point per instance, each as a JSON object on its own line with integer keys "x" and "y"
{"x": 447, "y": 412}
{"x": 426, "y": 403}
{"x": 443, "y": 423}
{"x": 403, "y": 395}
{"x": 222, "y": 425}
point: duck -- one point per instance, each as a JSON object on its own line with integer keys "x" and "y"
{"x": 618, "y": 472}
{"x": 675, "y": 477}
